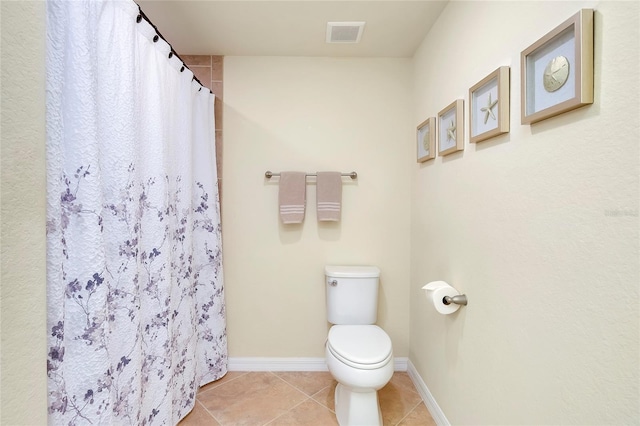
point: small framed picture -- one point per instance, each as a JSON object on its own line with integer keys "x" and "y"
{"x": 451, "y": 128}
{"x": 557, "y": 70}
{"x": 489, "y": 106}
{"x": 426, "y": 140}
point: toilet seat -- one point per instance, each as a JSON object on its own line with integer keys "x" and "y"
{"x": 365, "y": 347}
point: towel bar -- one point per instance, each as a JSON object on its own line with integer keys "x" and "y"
{"x": 269, "y": 175}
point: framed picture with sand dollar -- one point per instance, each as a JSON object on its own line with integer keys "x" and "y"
{"x": 451, "y": 128}
{"x": 557, "y": 70}
{"x": 489, "y": 106}
{"x": 426, "y": 140}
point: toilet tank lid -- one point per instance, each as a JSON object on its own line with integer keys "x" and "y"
{"x": 352, "y": 271}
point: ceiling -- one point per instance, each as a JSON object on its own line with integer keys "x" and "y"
{"x": 291, "y": 28}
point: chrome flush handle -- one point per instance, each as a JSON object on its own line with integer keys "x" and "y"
{"x": 333, "y": 283}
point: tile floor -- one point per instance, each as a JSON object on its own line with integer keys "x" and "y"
{"x": 295, "y": 399}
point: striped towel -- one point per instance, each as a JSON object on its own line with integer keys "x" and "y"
{"x": 329, "y": 196}
{"x": 292, "y": 196}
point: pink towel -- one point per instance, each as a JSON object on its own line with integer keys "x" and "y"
{"x": 292, "y": 196}
{"x": 329, "y": 196}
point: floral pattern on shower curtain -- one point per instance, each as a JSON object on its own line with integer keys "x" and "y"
{"x": 136, "y": 313}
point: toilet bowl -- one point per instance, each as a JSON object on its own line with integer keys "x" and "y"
{"x": 358, "y": 353}
{"x": 360, "y": 358}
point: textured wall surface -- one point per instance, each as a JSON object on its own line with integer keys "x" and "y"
{"x": 23, "y": 295}
{"x": 539, "y": 227}
{"x": 313, "y": 114}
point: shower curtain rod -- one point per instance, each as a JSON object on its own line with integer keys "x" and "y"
{"x": 141, "y": 16}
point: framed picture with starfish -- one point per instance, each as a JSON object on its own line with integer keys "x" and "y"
{"x": 557, "y": 70}
{"x": 489, "y": 106}
{"x": 451, "y": 128}
{"x": 426, "y": 140}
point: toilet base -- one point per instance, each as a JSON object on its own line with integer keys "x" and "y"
{"x": 357, "y": 408}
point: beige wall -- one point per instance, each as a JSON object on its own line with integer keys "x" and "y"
{"x": 23, "y": 295}
{"x": 313, "y": 114}
{"x": 538, "y": 227}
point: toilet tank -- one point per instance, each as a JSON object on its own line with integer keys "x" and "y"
{"x": 352, "y": 294}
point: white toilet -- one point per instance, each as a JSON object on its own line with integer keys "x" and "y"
{"x": 358, "y": 352}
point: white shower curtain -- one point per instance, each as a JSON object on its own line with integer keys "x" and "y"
{"x": 136, "y": 314}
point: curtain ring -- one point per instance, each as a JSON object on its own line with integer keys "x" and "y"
{"x": 181, "y": 69}
{"x": 139, "y": 18}
{"x": 170, "y": 55}
{"x": 155, "y": 38}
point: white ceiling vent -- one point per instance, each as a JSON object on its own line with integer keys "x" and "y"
{"x": 344, "y": 32}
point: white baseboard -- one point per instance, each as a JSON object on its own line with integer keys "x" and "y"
{"x": 291, "y": 364}
{"x": 427, "y": 397}
{"x": 276, "y": 364}
{"x": 400, "y": 363}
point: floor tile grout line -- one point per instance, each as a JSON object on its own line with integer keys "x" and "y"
{"x": 307, "y": 397}
{"x": 209, "y": 412}
{"x": 294, "y": 386}
{"x": 321, "y": 404}
{"x": 198, "y": 394}
{"x": 272, "y": 373}
{"x": 312, "y": 397}
{"x": 242, "y": 375}
{"x": 221, "y": 384}
{"x": 409, "y": 412}
{"x": 290, "y": 409}
{"x": 414, "y": 389}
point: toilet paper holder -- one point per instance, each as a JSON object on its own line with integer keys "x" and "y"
{"x": 459, "y": 299}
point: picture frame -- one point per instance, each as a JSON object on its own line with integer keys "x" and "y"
{"x": 557, "y": 70}
{"x": 489, "y": 106}
{"x": 451, "y": 128}
{"x": 426, "y": 140}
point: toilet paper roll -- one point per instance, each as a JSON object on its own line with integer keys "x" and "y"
{"x": 436, "y": 291}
